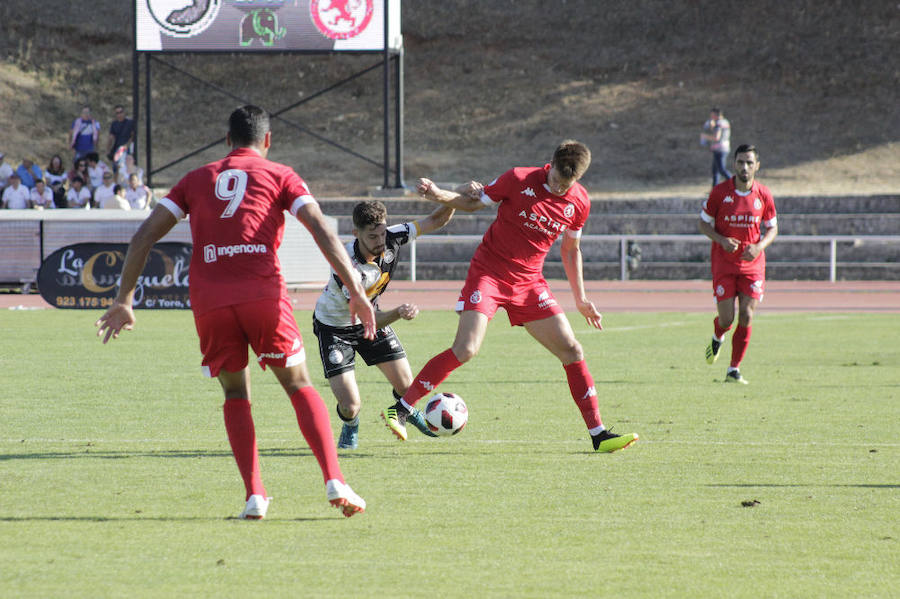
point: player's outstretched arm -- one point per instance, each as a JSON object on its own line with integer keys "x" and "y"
{"x": 570, "y": 252}
{"x": 311, "y": 216}
{"x": 467, "y": 201}
{"x": 121, "y": 315}
{"x": 404, "y": 311}
{"x": 436, "y": 220}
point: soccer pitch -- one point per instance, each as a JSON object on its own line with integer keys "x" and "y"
{"x": 116, "y": 478}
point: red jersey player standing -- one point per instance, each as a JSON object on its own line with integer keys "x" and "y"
{"x": 537, "y": 206}
{"x": 238, "y": 294}
{"x": 733, "y": 217}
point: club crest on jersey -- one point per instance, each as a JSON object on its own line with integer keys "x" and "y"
{"x": 529, "y": 192}
{"x": 475, "y": 298}
{"x": 388, "y": 256}
{"x": 187, "y": 21}
{"x": 569, "y": 210}
{"x": 341, "y": 19}
{"x": 757, "y": 204}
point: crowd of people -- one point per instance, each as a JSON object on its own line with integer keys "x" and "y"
{"x": 90, "y": 182}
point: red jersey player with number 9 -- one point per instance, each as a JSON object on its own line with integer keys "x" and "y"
{"x": 238, "y": 296}
{"x": 733, "y": 217}
{"x": 537, "y": 206}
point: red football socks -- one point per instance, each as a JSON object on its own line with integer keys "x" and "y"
{"x": 581, "y": 384}
{"x": 719, "y": 331}
{"x": 739, "y": 342}
{"x": 242, "y": 436}
{"x": 312, "y": 416}
{"x": 433, "y": 374}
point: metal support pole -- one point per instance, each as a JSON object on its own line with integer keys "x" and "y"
{"x": 412, "y": 261}
{"x": 832, "y": 262}
{"x": 387, "y": 104}
{"x": 148, "y": 137}
{"x": 623, "y": 259}
{"x": 398, "y": 122}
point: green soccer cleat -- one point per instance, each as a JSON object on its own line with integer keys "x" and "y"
{"x": 712, "y": 351}
{"x": 395, "y": 419}
{"x": 417, "y": 419}
{"x": 734, "y": 376}
{"x": 607, "y": 442}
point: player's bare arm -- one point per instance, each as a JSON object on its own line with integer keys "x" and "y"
{"x": 755, "y": 249}
{"x": 120, "y": 314}
{"x": 310, "y": 215}
{"x": 437, "y": 219}
{"x": 570, "y": 252}
{"x": 729, "y": 244}
{"x": 404, "y": 311}
{"x": 465, "y": 201}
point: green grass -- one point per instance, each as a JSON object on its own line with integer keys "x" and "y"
{"x": 116, "y": 478}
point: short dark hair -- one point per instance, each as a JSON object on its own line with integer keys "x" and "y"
{"x": 77, "y": 180}
{"x": 368, "y": 213}
{"x": 744, "y": 148}
{"x": 117, "y": 188}
{"x": 248, "y": 125}
{"x": 572, "y": 159}
{"x": 93, "y": 157}
{"x": 715, "y": 110}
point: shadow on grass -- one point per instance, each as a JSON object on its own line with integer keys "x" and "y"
{"x": 798, "y": 485}
{"x": 138, "y": 518}
{"x": 121, "y": 455}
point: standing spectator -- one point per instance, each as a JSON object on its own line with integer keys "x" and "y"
{"x": 137, "y": 194}
{"x": 121, "y": 137}
{"x": 117, "y": 200}
{"x": 84, "y": 134}
{"x": 56, "y": 178}
{"x": 78, "y": 196}
{"x": 5, "y": 172}
{"x": 16, "y": 196}
{"x": 732, "y": 217}
{"x": 29, "y": 173}
{"x": 96, "y": 169}
{"x": 131, "y": 168}
{"x": 104, "y": 191}
{"x": 240, "y": 298}
{"x": 42, "y": 196}
{"x": 717, "y": 135}
{"x": 537, "y": 207}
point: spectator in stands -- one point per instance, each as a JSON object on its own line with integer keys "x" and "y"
{"x": 137, "y": 193}
{"x": 84, "y": 134}
{"x": 5, "y": 172}
{"x": 42, "y": 196}
{"x": 57, "y": 179}
{"x": 717, "y": 135}
{"x": 131, "y": 168}
{"x": 121, "y": 137}
{"x": 96, "y": 169}
{"x": 16, "y": 196}
{"x": 105, "y": 190}
{"x": 78, "y": 196}
{"x": 117, "y": 200}
{"x": 79, "y": 170}
{"x": 29, "y": 173}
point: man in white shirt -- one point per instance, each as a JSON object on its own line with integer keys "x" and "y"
{"x": 105, "y": 190}
{"x": 78, "y": 195}
{"x": 117, "y": 200}
{"x": 16, "y": 196}
{"x": 138, "y": 195}
{"x": 96, "y": 169}
{"x": 42, "y": 196}
{"x": 5, "y": 172}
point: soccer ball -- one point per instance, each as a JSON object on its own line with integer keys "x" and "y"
{"x": 446, "y": 414}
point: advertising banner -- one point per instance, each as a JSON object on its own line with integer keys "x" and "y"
{"x": 86, "y": 276}
{"x": 266, "y": 25}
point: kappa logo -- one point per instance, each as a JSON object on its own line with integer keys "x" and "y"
{"x": 569, "y": 210}
{"x": 728, "y": 200}
{"x": 427, "y": 385}
{"x": 184, "y": 21}
{"x": 341, "y": 19}
{"x": 529, "y": 192}
{"x": 757, "y": 286}
{"x": 475, "y": 298}
{"x": 591, "y": 392}
{"x": 296, "y": 345}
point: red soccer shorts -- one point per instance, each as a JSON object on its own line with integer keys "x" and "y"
{"x": 523, "y": 302}
{"x": 267, "y": 325}
{"x": 728, "y": 281}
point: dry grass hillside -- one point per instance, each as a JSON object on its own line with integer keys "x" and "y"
{"x": 493, "y": 84}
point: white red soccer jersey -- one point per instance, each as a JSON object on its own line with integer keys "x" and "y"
{"x": 739, "y": 215}
{"x": 529, "y": 219}
{"x": 236, "y": 207}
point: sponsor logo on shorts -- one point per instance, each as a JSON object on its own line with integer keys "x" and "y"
{"x": 270, "y": 356}
{"x": 757, "y": 286}
{"x": 212, "y": 252}
{"x": 335, "y": 356}
{"x": 475, "y": 298}
{"x": 720, "y": 290}
{"x": 545, "y": 301}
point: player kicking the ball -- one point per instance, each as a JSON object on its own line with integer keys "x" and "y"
{"x": 374, "y": 253}
{"x": 536, "y": 207}
{"x": 236, "y": 207}
{"x": 732, "y": 217}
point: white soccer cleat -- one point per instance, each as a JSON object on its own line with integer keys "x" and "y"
{"x": 256, "y": 508}
{"x": 340, "y": 495}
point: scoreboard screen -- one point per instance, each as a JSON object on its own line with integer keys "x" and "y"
{"x": 266, "y": 25}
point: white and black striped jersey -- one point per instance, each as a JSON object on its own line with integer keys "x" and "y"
{"x": 331, "y": 307}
